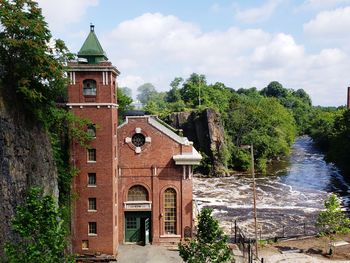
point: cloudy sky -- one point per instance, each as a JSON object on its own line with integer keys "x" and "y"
{"x": 300, "y": 43}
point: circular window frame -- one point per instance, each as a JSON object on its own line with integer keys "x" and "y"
{"x": 144, "y": 142}
{"x": 138, "y": 140}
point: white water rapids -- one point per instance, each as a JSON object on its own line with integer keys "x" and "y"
{"x": 288, "y": 200}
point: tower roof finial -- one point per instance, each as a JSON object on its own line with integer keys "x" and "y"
{"x": 92, "y": 27}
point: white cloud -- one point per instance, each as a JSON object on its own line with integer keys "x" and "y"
{"x": 258, "y": 14}
{"x": 323, "y": 4}
{"x": 61, "y": 13}
{"x": 330, "y": 24}
{"x": 156, "y": 48}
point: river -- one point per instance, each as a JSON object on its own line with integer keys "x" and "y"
{"x": 289, "y": 198}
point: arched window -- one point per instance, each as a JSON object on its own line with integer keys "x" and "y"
{"x": 89, "y": 87}
{"x": 170, "y": 211}
{"x": 137, "y": 193}
{"x": 91, "y": 130}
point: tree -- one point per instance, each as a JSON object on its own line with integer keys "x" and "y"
{"x": 146, "y": 92}
{"x": 42, "y": 235}
{"x": 33, "y": 63}
{"x": 192, "y": 89}
{"x": 275, "y": 89}
{"x": 332, "y": 220}
{"x": 173, "y": 95}
{"x": 124, "y": 102}
{"x": 126, "y": 91}
{"x": 209, "y": 245}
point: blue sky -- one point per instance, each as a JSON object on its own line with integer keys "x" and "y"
{"x": 300, "y": 43}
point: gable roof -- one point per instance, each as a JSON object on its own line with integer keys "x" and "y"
{"x": 188, "y": 158}
{"x": 159, "y": 125}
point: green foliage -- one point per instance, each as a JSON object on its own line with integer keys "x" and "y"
{"x": 260, "y": 121}
{"x": 275, "y": 89}
{"x": 330, "y": 130}
{"x": 146, "y": 92}
{"x": 42, "y": 235}
{"x": 210, "y": 243}
{"x": 33, "y": 65}
{"x": 269, "y": 119}
{"x": 298, "y": 102}
{"x": 126, "y": 91}
{"x": 124, "y": 102}
{"x": 332, "y": 221}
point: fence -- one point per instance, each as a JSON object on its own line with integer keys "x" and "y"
{"x": 248, "y": 245}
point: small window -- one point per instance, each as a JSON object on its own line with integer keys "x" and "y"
{"x": 85, "y": 244}
{"x": 138, "y": 139}
{"x": 131, "y": 223}
{"x": 91, "y": 155}
{"x": 91, "y": 130}
{"x": 91, "y": 179}
{"x": 92, "y": 228}
{"x": 89, "y": 87}
{"x": 92, "y": 204}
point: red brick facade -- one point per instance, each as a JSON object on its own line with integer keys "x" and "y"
{"x": 154, "y": 168}
{"x": 161, "y": 165}
{"x": 101, "y": 109}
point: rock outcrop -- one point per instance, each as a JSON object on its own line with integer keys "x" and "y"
{"x": 26, "y": 160}
{"x": 207, "y": 133}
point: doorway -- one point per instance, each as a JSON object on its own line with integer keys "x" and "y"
{"x": 138, "y": 227}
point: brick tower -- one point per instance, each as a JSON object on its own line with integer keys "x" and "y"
{"x": 92, "y": 95}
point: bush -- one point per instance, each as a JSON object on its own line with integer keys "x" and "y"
{"x": 332, "y": 221}
{"x": 209, "y": 245}
{"x": 40, "y": 228}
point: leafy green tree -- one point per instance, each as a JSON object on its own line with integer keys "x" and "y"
{"x": 275, "y": 89}
{"x": 332, "y": 220}
{"x": 126, "y": 91}
{"x": 210, "y": 243}
{"x": 146, "y": 92}
{"x": 40, "y": 228}
{"x": 192, "y": 89}
{"x": 300, "y": 93}
{"x": 124, "y": 102}
{"x": 174, "y": 95}
{"x": 33, "y": 63}
{"x": 260, "y": 121}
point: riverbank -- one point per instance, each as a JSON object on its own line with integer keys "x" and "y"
{"x": 314, "y": 247}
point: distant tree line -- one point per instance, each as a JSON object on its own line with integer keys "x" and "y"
{"x": 270, "y": 119}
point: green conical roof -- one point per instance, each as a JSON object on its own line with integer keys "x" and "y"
{"x": 92, "y": 49}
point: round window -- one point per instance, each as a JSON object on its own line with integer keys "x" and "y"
{"x": 138, "y": 139}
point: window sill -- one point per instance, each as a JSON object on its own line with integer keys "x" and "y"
{"x": 85, "y": 249}
{"x": 92, "y": 235}
{"x": 93, "y": 211}
{"x": 91, "y": 161}
{"x": 91, "y": 185}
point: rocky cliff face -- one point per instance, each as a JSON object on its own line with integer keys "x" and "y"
{"x": 25, "y": 161}
{"x": 207, "y": 133}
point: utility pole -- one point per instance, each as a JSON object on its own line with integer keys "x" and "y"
{"x": 254, "y": 200}
{"x": 199, "y": 95}
{"x": 254, "y": 194}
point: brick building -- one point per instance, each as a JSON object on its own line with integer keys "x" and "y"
{"x": 134, "y": 182}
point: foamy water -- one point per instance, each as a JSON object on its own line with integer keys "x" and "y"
{"x": 292, "y": 196}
